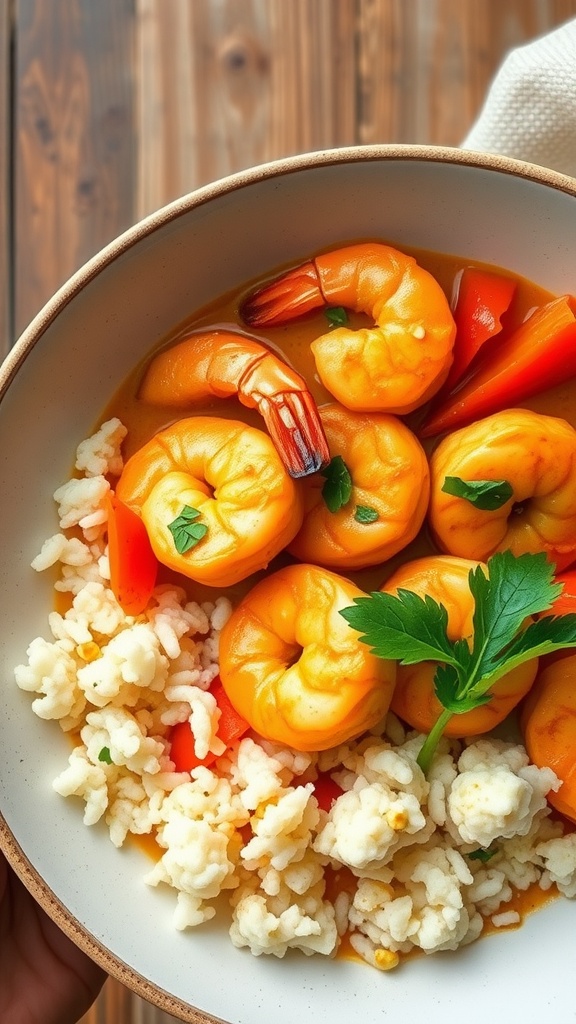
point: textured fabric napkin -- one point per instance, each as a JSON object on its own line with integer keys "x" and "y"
{"x": 530, "y": 109}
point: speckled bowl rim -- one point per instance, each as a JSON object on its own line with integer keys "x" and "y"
{"x": 15, "y": 856}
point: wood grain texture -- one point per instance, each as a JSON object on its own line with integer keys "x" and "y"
{"x": 424, "y": 65}
{"x": 121, "y": 106}
{"x": 229, "y": 84}
{"x": 74, "y": 139}
{"x": 5, "y": 181}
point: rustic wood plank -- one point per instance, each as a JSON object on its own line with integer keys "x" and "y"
{"x": 75, "y": 146}
{"x": 313, "y": 76}
{"x": 5, "y": 183}
{"x": 424, "y": 68}
{"x": 223, "y": 86}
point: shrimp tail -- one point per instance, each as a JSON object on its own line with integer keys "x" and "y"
{"x": 292, "y": 295}
{"x": 293, "y": 423}
{"x": 223, "y": 363}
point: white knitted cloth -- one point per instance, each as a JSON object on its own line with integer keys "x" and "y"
{"x": 530, "y": 109}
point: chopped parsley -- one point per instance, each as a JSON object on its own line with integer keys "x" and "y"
{"x": 337, "y": 490}
{"x": 365, "y": 514}
{"x": 336, "y": 316}
{"x": 482, "y": 855}
{"x": 487, "y": 495}
{"x": 186, "y": 531}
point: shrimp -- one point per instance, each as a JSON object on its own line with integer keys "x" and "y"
{"x": 293, "y": 667}
{"x": 220, "y": 363}
{"x": 388, "y": 500}
{"x": 445, "y": 579}
{"x": 548, "y": 724}
{"x": 536, "y": 456}
{"x": 215, "y": 498}
{"x": 394, "y": 366}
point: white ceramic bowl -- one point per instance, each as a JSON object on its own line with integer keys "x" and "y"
{"x": 54, "y": 386}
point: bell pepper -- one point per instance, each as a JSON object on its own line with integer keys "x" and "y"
{"x": 565, "y": 604}
{"x": 133, "y": 564}
{"x": 536, "y": 356}
{"x": 230, "y": 728}
{"x": 326, "y": 791}
{"x": 482, "y": 298}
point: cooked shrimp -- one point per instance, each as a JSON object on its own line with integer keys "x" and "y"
{"x": 445, "y": 579}
{"x": 293, "y": 667}
{"x": 218, "y": 364}
{"x": 394, "y": 366}
{"x": 215, "y": 498}
{"x": 548, "y": 723}
{"x": 536, "y": 456}
{"x": 388, "y": 500}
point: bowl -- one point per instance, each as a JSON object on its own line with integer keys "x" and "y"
{"x": 55, "y": 384}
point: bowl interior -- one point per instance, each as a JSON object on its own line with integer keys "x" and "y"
{"x": 55, "y": 386}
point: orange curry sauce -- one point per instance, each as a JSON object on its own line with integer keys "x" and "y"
{"x": 292, "y": 342}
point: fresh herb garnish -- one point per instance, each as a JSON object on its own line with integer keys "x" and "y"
{"x": 481, "y": 854}
{"x": 487, "y": 495}
{"x": 365, "y": 514}
{"x": 408, "y": 628}
{"x": 105, "y": 756}
{"x": 186, "y": 531}
{"x": 336, "y": 316}
{"x": 337, "y": 490}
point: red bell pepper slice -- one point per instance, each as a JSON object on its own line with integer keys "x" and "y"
{"x": 230, "y": 728}
{"x": 565, "y": 604}
{"x": 538, "y": 355}
{"x": 326, "y": 791}
{"x": 133, "y": 564}
{"x": 482, "y": 298}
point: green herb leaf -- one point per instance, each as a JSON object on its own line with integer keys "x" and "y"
{"x": 516, "y": 588}
{"x": 186, "y": 531}
{"x": 365, "y": 514}
{"x": 482, "y": 855}
{"x": 546, "y": 635}
{"x": 403, "y": 627}
{"x": 447, "y": 689}
{"x": 336, "y": 316}
{"x": 337, "y": 490}
{"x": 487, "y": 495}
{"x": 104, "y": 755}
{"x": 409, "y": 629}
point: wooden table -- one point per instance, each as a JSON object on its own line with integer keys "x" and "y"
{"x": 111, "y": 108}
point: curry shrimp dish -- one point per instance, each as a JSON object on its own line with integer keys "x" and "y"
{"x": 313, "y": 636}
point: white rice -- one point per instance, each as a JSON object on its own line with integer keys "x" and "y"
{"x": 250, "y": 827}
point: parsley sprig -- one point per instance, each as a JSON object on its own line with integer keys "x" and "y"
{"x": 409, "y": 629}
